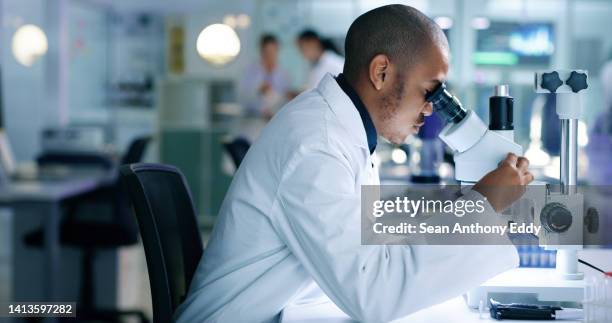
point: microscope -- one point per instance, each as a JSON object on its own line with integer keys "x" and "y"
{"x": 478, "y": 149}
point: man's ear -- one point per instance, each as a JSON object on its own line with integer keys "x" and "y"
{"x": 379, "y": 71}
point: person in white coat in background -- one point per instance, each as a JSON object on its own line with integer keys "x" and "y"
{"x": 265, "y": 84}
{"x": 263, "y": 89}
{"x": 322, "y": 56}
{"x": 290, "y": 224}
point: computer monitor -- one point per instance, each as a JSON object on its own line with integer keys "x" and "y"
{"x": 530, "y": 44}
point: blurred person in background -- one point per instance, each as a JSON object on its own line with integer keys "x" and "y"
{"x": 263, "y": 89}
{"x": 322, "y": 55}
{"x": 599, "y": 148}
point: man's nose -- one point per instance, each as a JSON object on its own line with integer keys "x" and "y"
{"x": 428, "y": 109}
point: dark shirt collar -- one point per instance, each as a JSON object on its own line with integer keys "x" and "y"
{"x": 363, "y": 112}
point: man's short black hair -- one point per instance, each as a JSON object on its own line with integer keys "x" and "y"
{"x": 398, "y": 31}
{"x": 267, "y": 39}
{"x": 309, "y": 34}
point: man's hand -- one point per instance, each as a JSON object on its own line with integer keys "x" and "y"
{"x": 265, "y": 88}
{"x": 506, "y": 184}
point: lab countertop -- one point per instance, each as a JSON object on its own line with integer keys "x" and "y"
{"x": 54, "y": 189}
{"x": 452, "y": 311}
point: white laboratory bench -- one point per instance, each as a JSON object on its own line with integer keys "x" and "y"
{"x": 452, "y": 311}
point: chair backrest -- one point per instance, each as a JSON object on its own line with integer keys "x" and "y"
{"x": 123, "y": 213}
{"x": 168, "y": 226}
{"x": 237, "y": 149}
{"x": 135, "y": 151}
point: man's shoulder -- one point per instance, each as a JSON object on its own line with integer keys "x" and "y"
{"x": 303, "y": 119}
{"x": 307, "y": 101}
{"x": 306, "y": 123}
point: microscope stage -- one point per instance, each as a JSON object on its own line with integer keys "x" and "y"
{"x": 528, "y": 286}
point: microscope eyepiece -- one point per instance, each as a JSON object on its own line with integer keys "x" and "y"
{"x": 446, "y": 105}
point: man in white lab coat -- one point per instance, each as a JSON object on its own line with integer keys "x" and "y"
{"x": 290, "y": 223}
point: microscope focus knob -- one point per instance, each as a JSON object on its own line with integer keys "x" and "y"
{"x": 551, "y": 81}
{"x": 577, "y": 81}
{"x": 591, "y": 220}
{"x": 556, "y": 217}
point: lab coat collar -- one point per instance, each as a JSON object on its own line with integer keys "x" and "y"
{"x": 368, "y": 124}
{"x": 344, "y": 109}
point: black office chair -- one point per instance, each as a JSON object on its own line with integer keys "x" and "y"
{"x": 169, "y": 230}
{"x": 91, "y": 235}
{"x": 237, "y": 149}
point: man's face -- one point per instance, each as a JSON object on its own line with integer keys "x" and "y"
{"x": 269, "y": 53}
{"x": 310, "y": 49}
{"x": 402, "y": 104}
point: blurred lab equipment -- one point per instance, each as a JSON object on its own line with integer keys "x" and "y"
{"x": 599, "y": 148}
{"x": 598, "y": 299}
{"x": 73, "y": 139}
{"x": 508, "y": 43}
{"x": 68, "y": 149}
{"x": 543, "y": 133}
{"x": 426, "y": 152}
{"x": 64, "y": 151}
{"x": 133, "y": 90}
{"x": 534, "y": 256}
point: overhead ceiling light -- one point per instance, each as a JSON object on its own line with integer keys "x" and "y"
{"x": 444, "y": 22}
{"x": 230, "y": 20}
{"x": 481, "y": 23}
{"x": 218, "y": 44}
{"x": 243, "y": 21}
{"x": 29, "y": 44}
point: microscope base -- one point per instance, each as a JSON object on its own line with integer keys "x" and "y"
{"x": 528, "y": 286}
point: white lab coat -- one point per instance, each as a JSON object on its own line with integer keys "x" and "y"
{"x": 290, "y": 223}
{"x": 329, "y": 62}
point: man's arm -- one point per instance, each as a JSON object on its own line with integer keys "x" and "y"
{"x": 319, "y": 221}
